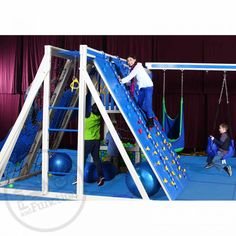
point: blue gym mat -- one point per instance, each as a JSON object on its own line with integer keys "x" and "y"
{"x": 203, "y": 184}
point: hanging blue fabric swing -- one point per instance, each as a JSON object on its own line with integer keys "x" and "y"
{"x": 212, "y": 148}
{"x": 174, "y": 127}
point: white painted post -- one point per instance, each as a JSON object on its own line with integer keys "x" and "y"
{"x": 81, "y": 117}
{"x": 45, "y": 132}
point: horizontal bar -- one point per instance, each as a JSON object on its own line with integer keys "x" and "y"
{"x": 61, "y": 195}
{"x": 63, "y": 130}
{"x": 58, "y": 173}
{"x": 63, "y": 108}
{"x": 191, "y": 66}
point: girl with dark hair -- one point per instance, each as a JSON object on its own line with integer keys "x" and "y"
{"x": 145, "y": 85}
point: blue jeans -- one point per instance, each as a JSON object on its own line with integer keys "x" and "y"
{"x": 217, "y": 160}
{"x": 145, "y": 100}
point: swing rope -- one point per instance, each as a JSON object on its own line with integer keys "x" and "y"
{"x": 224, "y": 86}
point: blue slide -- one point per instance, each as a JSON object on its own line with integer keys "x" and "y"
{"x": 154, "y": 143}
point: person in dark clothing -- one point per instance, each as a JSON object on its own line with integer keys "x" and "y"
{"x": 92, "y": 140}
{"x": 112, "y": 150}
{"x": 223, "y": 147}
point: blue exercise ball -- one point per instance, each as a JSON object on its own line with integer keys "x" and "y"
{"x": 147, "y": 178}
{"x": 109, "y": 171}
{"x": 89, "y": 170}
{"x": 60, "y": 163}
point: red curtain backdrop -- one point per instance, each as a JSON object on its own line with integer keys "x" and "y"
{"x": 10, "y": 59}
{"x": 33, "y": 51}
{"x": 20, "y": 57}
{"x": 9, "y": 110}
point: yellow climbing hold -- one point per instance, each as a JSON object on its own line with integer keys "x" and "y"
{"x": 173, "y": 161}
{"x": 172, "y": 172}
{"x": 166, "y": 168}
{"x": 158, "y": 163}
{"x": 157, "y": 145}
{"x": 147, "y": 148}
{"x": 149, "y": 136}
{"x": 180, "y": 176}
{"x": 155, "y": 152}
{"x": 163, "y": 148}
{"x": 165, "y": 180}
{"x": 184, "y": 170}
{"x": 178, "y": 156}
{"x": 164, "y": 141}
{"x": 158, "y": 133}
{"x": 179, "y": 167}
{"x": 166, "y": 158}
{"x": 172, "y": 183}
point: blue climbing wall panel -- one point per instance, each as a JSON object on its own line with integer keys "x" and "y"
{"x": 154, "y": 143}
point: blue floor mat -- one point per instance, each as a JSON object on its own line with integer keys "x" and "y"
{"x": 203, "y": 184}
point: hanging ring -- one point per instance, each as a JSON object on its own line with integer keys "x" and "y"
{"x": 74, "y": 84}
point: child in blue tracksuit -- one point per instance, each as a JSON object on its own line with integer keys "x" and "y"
{"x": 145, "y": 85}
{"x": 223, "y": 147}
{"x": 112, "y": 150}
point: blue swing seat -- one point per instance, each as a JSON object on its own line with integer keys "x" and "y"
{"x": 212, "y": 149}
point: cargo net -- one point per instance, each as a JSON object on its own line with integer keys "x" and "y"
{"x": 26, "y": 159}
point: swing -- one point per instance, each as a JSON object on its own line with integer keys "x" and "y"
{"x": 174, "y": 127}
{"x": 212, "y": 148}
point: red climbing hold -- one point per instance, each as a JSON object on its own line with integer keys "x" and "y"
{"x": 163, "y": 129}
{"x": 140, "y": 131}
{"x": 156, "y": 118}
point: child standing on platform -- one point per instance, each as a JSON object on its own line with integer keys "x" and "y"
{"x": 145, "y": 85}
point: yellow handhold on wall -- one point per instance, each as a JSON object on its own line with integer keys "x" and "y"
{"x": 157, "y": 144}
{"x": 172, "y": 183}
{"x": 165, "y": 180}
{"x": 179, "y": 167}
{"x": 158, "y": 133}
{"x": 180, "y": 176}
{"x": 158, "y": 163}
{"x": 173, "y": 173}
{"x": 155, "y": 152}
{"x": 173, "y": 161}
{"x": 149, "y": 136}
{"x": 166, "y": 158}
{"x": 166, "y": 168}
{"x": 147, "y": 148}
{"x": 163, "y": 148}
